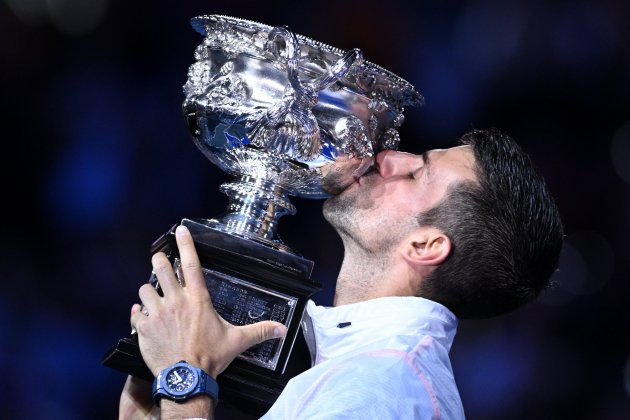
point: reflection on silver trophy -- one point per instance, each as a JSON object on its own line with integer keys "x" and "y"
{"x": 285, "y": 116}
{"x": 278, "y": 110}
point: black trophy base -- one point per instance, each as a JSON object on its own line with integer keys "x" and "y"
{"x": 248, "y": 282}
{"x": 125, "y": 356}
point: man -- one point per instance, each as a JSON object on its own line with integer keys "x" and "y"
{"x": 466, "y": 232}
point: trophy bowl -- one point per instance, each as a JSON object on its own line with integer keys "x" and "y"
{"x": 278, "y": 111}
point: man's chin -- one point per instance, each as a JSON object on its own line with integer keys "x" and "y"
{"x": 336, "y": 188}
{"x": 330, "y": 209}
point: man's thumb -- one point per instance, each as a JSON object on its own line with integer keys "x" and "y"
{"x": 262, "y": 331}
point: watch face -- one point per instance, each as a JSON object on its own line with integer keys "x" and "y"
{"x": 180, "y": 380}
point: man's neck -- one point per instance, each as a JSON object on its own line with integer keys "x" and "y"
{"x": 363, "y": 276}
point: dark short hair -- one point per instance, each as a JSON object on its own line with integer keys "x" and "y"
{"x": 505, "y": 231}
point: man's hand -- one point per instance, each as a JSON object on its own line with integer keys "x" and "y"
{"x": 136, "y": 402}
{"x": 183, "y": 325}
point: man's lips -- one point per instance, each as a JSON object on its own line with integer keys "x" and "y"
{"x": 366, "y": 164}
{"x": 343, "y": 173}
{"x": 365, "y": 172}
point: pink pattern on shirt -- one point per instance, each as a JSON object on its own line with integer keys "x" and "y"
{"x": 312, "y": 390}
{"x": 408, "y": 357}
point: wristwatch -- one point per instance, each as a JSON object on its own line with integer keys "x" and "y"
{"x": 182, "y": 381}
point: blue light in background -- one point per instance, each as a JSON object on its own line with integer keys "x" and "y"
{"x": 449, "y": 95}
{"x": 494, "y": 371}
{"x": 89, "y": 180}
{"x": 65, "y": 354}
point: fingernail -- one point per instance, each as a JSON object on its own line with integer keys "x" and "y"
{"x": 279, "y": 332}
{"x": 181, "y": 230}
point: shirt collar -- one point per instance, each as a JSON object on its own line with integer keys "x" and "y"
{"x": 338, "y": 330}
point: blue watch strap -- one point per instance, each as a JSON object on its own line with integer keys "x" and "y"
{"x": 208, "y": 385}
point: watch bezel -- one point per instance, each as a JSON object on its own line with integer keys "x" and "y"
{"x": 186, "y": 392}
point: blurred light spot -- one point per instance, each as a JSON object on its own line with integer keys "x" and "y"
{"x": 584, "y": 39}
{"x": 586, "y": 265}
{"x": 620, "y": 152}
{"x": 76, "y": 17}
{"x": 599, "y": 258}
{"x": 73, "y": 17}
{"x": 494, "y": 371}
{"x": 60, "y": 349}
{"x": 86, "y": 189}
{"x": 562, "y": 368}
{"x": 87, "y": 186}
{"x": 448, "y": 93}
{"x": 571, "y": 269}
{"x": 486, "y": 36}
{"x": 32, "y": 12}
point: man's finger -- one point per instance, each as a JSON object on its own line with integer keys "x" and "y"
{"x": 261, "y": 331}
{"x": 164, "y": 272}
{"x": 149, "y": 297}
{"x": 191, "y": 267}
{"x": 136, "y": 307}
{"x": 136, "y": 316}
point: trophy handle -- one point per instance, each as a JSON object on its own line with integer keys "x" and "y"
{"x": 289, "y": 126}
{"x": 339, "y": 70}
{"x": 305, "y": 96}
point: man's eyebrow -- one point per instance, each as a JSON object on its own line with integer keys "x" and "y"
{"x": 425, "y": 158}
{"x": 426, "y": 162}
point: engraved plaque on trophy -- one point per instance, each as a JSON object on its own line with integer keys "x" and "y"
{"x": 280, "y": 113}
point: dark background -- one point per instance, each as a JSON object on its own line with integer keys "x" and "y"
{"x": 98, "y": 164}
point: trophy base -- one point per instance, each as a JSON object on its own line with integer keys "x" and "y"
{"x": 125, "y": 357}
{"x": 248, "y": 282}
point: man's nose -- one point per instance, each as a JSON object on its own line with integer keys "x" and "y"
{"x": 391, "y": 163}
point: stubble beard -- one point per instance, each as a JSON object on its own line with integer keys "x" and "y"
{"x": 346, "y": 211}
{"x": 340, "y": 212}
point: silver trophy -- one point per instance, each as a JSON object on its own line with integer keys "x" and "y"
{"x": 285, "y": 116}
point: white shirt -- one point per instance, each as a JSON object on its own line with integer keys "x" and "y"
{"x": 385, "y": 358}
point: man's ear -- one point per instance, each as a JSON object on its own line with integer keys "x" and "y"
{"x": 426, "y": 246}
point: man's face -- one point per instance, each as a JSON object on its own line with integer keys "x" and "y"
{"x": 386, "y": 201}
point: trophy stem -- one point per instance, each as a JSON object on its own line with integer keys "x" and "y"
{"x": 255, "y": 205}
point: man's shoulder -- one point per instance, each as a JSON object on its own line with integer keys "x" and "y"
{"x": 386, "y": 384}
{"x": 415, "y": 363}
